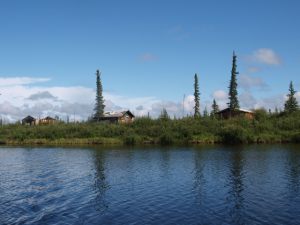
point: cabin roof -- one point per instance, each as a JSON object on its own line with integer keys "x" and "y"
{"x": 241, "y": 110}
{"x": 117, "y": 114}
{"x": 28, "y": 118}
{"x": 48, "y": 118}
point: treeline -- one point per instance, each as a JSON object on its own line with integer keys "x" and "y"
{"x": 264, "y": 128}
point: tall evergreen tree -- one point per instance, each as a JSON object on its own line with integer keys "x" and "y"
{"x": 291, "y": 104}
{"x": 99, "y": 106}
{"x": 205, "y": 112}
{"x": 164, "y": 114}
{"x": 196, "y": 96}
{"x": 233, "y": 93}
{"x": 215, "y": 108}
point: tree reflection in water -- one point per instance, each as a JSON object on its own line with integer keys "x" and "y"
{"x": 100, "y": 184}
{"x": 293, "y": 166}
{"x": 237, "y": 187}
{"x": 199, "y": 179}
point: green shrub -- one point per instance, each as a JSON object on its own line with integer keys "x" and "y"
{"x": 130, "y": 140}
{"x": 296, "y": 137}
{"x": 166, "y": 139}
{"x": 234, "y": 135}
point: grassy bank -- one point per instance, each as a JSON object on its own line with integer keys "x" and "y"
{"x": 265, "y": 128}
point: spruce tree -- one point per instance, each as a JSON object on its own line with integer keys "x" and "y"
{"x": 233, "y": 93}
{"x": 164, "y": 114}
{"x": 291, "y": 104}
{"x": 215, "y": 108}
{"x": 205, "y": 112}
{"x": 99, "y": 106}
{"x": 196, "y": 96}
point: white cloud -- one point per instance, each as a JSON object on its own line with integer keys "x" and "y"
{"x": 266, "y": 56}
{"x": 177, "y": 109}
{"x": 13, "y": 81}
{"x": 221, "y": 98}
{"x": 247, "y": 101}
{"x": 140, "y": 107}
{"x": 247, "y": 82}
{"x": 18, "y": 101}
{"x": 41, "y": 95}
{"x": 220, "y": 95}
{"x": 276, "y": 101}
{"x": 253, "y": 69}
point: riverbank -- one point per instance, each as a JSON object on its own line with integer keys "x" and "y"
{"x": 120, "y": 142}
{"x": 264, "y": 128}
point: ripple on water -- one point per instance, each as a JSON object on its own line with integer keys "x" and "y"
{"x": 213, "y": 185}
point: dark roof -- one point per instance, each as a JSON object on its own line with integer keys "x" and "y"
{"x": 48, "y": 118}
{"x": 29, "y": 118}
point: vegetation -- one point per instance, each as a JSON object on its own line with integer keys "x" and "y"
{"x": 233, "y": 93}
{"x": 205, "y": 112}
{"x": 99, "y": 106}
{"x": 215, "y": 108}
{"x": 164, "y": 115}
{"x": 291, "y": 104}
{"x": 264, "y": 128}
{"x": 196, "y": 96}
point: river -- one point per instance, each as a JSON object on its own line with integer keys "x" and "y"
{"x": 256, "y": 184}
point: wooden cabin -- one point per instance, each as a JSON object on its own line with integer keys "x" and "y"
{"x": 29, "y": 120}
{"x": 47, "y": 120}
{"x": 227, "y": 113}
{"x": 124, "y": 117}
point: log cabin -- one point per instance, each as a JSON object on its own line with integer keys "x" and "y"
{"x": 47, "y": 120}
{"x": 29, "y": 120}
{"x": 227, "y": 113}
{"x": 123, "y": 117}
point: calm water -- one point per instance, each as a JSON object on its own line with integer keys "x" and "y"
{"x": 179, "y": 185}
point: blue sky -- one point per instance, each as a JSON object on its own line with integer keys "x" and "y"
{"x": 152, "y": 49}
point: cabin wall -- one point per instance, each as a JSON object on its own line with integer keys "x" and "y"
{"x": 28, "y": 123}
{"x": 46, "y": 122}
{"x": 109, "y": 119}
{"x": 228, "y": 114}
{"x": 249, "y": 116}
{"x": 126, "y": 119}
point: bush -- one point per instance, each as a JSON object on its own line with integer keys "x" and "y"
{"x": 264, "y": 128}
{"x": 296, "y": 137}
{"x": 166, "y": 139}
{"x": 234, "y": 135}
{"x": 130, "y": 140}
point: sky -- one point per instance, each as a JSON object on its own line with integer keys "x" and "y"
{"x": 147, "y": 52}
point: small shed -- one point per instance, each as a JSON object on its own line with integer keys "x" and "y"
{"x": 47, "y": 120}
{"x": 124, "y": 117}
{"x": 29, "y": 120}
{"x": 228, "y": 113}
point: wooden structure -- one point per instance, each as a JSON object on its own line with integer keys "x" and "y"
{"x": 227, "y": 113}
{"x": 29, "y": 120}
{"x": 47, "y": 120}
{"x": 118, "y": 117}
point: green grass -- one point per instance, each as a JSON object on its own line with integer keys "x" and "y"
{"x": 265, "y": 128}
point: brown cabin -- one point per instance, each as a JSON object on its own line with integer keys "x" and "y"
{"x": 227, "y": 113}
{"x": 47, "y": 120}
{"x": 29, "y": 120}
{"x": 118, "y": 117}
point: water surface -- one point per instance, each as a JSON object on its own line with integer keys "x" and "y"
{"x": 177, "y": 185}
